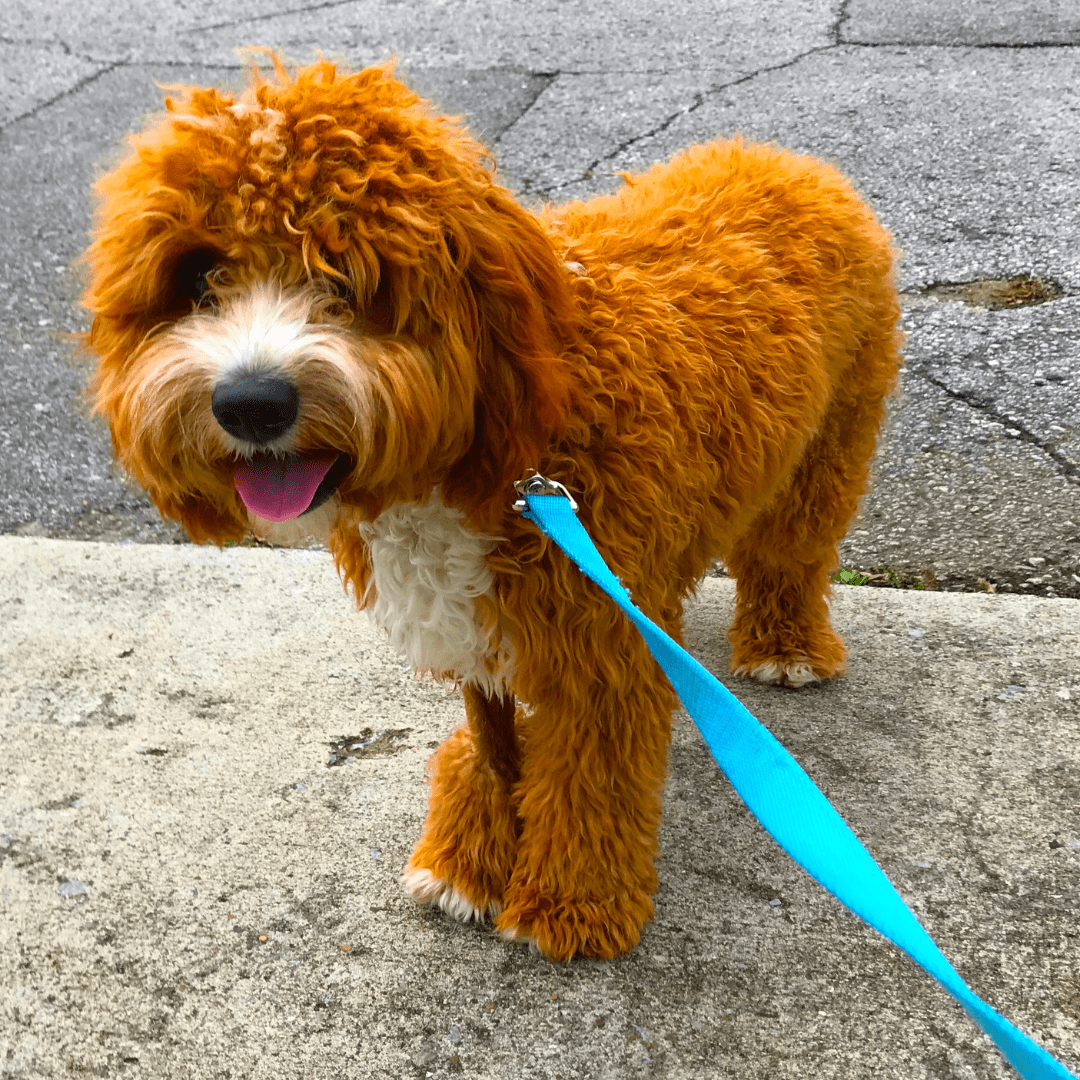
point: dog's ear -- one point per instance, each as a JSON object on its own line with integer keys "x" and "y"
{"x": 522, "y": 316}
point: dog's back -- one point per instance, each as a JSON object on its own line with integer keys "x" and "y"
{"x": 740, "y": 300}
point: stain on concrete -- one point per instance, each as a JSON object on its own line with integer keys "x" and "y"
{"x": 367, "y": 744}
{"x": 997, "y": 294}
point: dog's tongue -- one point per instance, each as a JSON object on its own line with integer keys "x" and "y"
{"x": 280, "y": 489}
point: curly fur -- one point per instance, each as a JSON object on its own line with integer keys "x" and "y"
{"x": 702, "y": 358}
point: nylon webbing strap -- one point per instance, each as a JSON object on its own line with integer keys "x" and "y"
{"x": 786, "y": 801}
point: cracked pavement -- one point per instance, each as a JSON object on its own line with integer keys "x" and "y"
{"x": 961, "y": 126}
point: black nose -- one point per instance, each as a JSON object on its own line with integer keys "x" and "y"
{"x": 256, "y": 408}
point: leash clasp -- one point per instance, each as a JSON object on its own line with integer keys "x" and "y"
{"x": 540, "y": 485}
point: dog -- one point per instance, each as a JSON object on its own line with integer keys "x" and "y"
{"x": 314, "y": 305}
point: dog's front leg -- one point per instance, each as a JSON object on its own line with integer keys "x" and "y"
{"x": 465, "y": 855}
{"x": 594, "y": 749}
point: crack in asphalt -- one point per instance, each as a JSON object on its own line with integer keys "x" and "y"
{"x": 698, "y": 100}
{"x": 701, "y": 97}
{"x": 201, "y": 65}
{"x": 954, "y": 45}
{"x": 842, "y": 16}
{"x": 247, "y": 19}
{"x": 549, "y": 78}
{"x": 43, "y": 42}
{"x": 1069, "y": 469}
{"x": 107, "y": 66}
{"x": 75, "y": 87}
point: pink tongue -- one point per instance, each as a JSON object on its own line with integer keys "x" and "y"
{"x": 280, "y": 489}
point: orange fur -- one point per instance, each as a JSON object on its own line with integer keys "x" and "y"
{"x": 702, "y": 358}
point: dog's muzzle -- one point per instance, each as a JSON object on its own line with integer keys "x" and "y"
{"x": 259, "y": 409}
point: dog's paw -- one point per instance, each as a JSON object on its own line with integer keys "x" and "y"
{"x": 425, "y": 888}
{"x": 567, "y": 928}
{"x": 781, "y": 662}
{"x": 793, "y": 671}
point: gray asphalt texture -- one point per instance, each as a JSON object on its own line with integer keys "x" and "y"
{"x": 960, "y": 122}
{"x": 188, "y": 890}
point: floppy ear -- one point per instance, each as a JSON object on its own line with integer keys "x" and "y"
{"x": 523, "y": 313}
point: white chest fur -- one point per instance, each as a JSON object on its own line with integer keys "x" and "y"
{"x": 430, "y": 579}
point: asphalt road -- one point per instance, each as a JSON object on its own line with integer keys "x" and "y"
{"x": 960, "y": 122}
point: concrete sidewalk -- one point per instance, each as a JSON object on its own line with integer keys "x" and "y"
{"x": 190, "y": 887}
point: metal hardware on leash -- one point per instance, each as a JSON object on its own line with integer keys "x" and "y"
{"x": 540, "y": 485}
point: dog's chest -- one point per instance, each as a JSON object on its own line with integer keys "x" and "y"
{"x": 434, "y": 594}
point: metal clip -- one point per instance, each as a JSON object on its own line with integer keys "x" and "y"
{"x": 540, "y": 485}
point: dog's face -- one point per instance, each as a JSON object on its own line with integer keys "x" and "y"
{"x": 314, "y": 292}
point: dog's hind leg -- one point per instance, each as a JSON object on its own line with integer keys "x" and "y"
{"x": 467, "y": 849}
{"x": 783, "y": 562}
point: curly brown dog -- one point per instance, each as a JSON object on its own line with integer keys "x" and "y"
{"x": 314, "y": 303}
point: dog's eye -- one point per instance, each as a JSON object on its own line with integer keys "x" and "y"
{"x": 379, "y": 310}
{"x": 193, "y": 276}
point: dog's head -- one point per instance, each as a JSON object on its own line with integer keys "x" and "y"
{"x": 317, "y": 288}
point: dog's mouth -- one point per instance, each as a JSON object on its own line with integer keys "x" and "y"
{"x": 282, "y": 488}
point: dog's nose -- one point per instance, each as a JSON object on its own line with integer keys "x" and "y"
{"x": 256, "y": 408}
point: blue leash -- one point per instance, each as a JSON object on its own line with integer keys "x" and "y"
{"x": 777, "y": 791}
